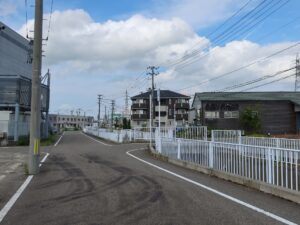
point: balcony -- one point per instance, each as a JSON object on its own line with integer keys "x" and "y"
{"x": 139, "y": 106}
{"x": 139, "y": 117}
{"x": 162, "y": 114}
{"x": 182, "y": 105}
{"x": 182, "y": 117}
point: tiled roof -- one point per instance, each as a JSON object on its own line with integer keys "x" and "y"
{"x": 163, "y": 94}
{"x": 248, "y": 96}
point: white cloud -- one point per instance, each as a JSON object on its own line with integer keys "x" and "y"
{"x": 103, "y": 58}
{"x": 77, "y": 38}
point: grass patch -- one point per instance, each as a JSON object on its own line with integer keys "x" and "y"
{"x": 23, "y": 141}
{"x": 50, "y": 140}
{"x": 257, "y": 135}
{"x": 26, "y": 171}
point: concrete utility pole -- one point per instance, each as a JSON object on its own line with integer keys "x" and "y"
{"x": 126, "y": 105}
{"x": 150, "y": 116}
{"x": 105, "y": 117}
{"x": 297, "y": 81}
{"x": 152, "y": 73}
{"x": 112, "y": 112}
{"x": 99, "y": 109}
{"x": 34, "y": 147}
{"x": 48, "y": 104}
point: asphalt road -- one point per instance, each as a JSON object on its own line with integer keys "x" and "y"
{"x": 86, "y": 182}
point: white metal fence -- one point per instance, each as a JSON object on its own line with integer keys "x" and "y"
{"x": 194, "y": 132}
{"x": 227, "y": 136}
{"x": 119, "y": 136}
{"x": 271, "y": 142}
{"x": 273, "y": 163}
{"x": 276, "y": 166}
{"x": 234, "y": 136}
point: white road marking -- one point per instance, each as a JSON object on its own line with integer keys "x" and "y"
{"x": 96, "y": 140}
{"x": 44, "y": 159}
{"x": 59, "y": 139}
{"x": 15, "y": 197}
{"x": 278, "y": 218}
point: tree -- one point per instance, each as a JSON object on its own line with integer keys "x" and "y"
{"x": 128, "y": 124}
{"x": 250, "y": 120}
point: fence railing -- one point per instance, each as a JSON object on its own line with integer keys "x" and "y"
{"x": 228, "y": 136}
{"x": 119, "y": 136}
{"x": 194, "y": 132}
{"x": 234, "y": 136}
{"x": 276, "y": 166}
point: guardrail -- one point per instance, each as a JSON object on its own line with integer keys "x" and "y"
{"x": 275, "y": 166}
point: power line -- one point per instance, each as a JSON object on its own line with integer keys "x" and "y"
{"x": 243, "y": 67}
{"x": 254, "y": 81}
{"x": 260, "y": 21}
{"x": 50, "y": 18}
{"x": 233, "y": 33}
{"x": 271, "y": 82}
{"x": 232, "y": 27}
{"x": 219, "y": 27}
{"x": 26, "y": 18}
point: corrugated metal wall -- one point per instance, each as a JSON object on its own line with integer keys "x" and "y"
{"x": 15, "y": 54}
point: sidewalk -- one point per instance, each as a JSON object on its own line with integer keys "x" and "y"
{"x": 12, "y": 170}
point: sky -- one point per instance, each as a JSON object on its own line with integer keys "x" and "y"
{"x": 104, "y": 47}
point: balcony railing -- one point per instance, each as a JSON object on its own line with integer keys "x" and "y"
{"x": 139, "y": 106}
{"x": 139, "y": 117}
{"x": 182, "y": 117}
{"x": 182, "y": 105}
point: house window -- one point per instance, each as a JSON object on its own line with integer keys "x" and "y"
{"x": 212, "y": 114}
{"x": 231, "y": 114}
{"x": 170, "y": 112}
{"x": 170, "y": 101}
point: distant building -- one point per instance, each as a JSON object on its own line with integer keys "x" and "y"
{"x": 59, "y": 122}
{"x": 15, "y": 85}
{"x": 174, "y": 109}
{"x": 279, "y": 112}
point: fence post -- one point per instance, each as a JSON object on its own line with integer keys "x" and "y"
{"x": 269, "y": 165}
{"x": 16, "y": 124}
{"x": 277, "y": 143}
{"x": 178, "y": 149}
{"x": 159, "y": 142}
{"x": 240, "y": 141}
{"x": 211, "y": 155}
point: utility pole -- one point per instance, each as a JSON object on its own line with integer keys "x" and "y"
{"x": 297, "y": 81}
{"x": 99, "y": 109}
{"x": 150, "y": 116}
{"x": 48, "y": 104}
{"x": 126, "y": 105}
{"x": 105, "y": 117}
{"x": 34, "y": 147}
{"x": 112, "y": 112}
{"x": 152, "y": 72}
{"x": 174, "y": 114}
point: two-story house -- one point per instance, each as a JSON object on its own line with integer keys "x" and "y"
{"x": 173, "y": 111}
